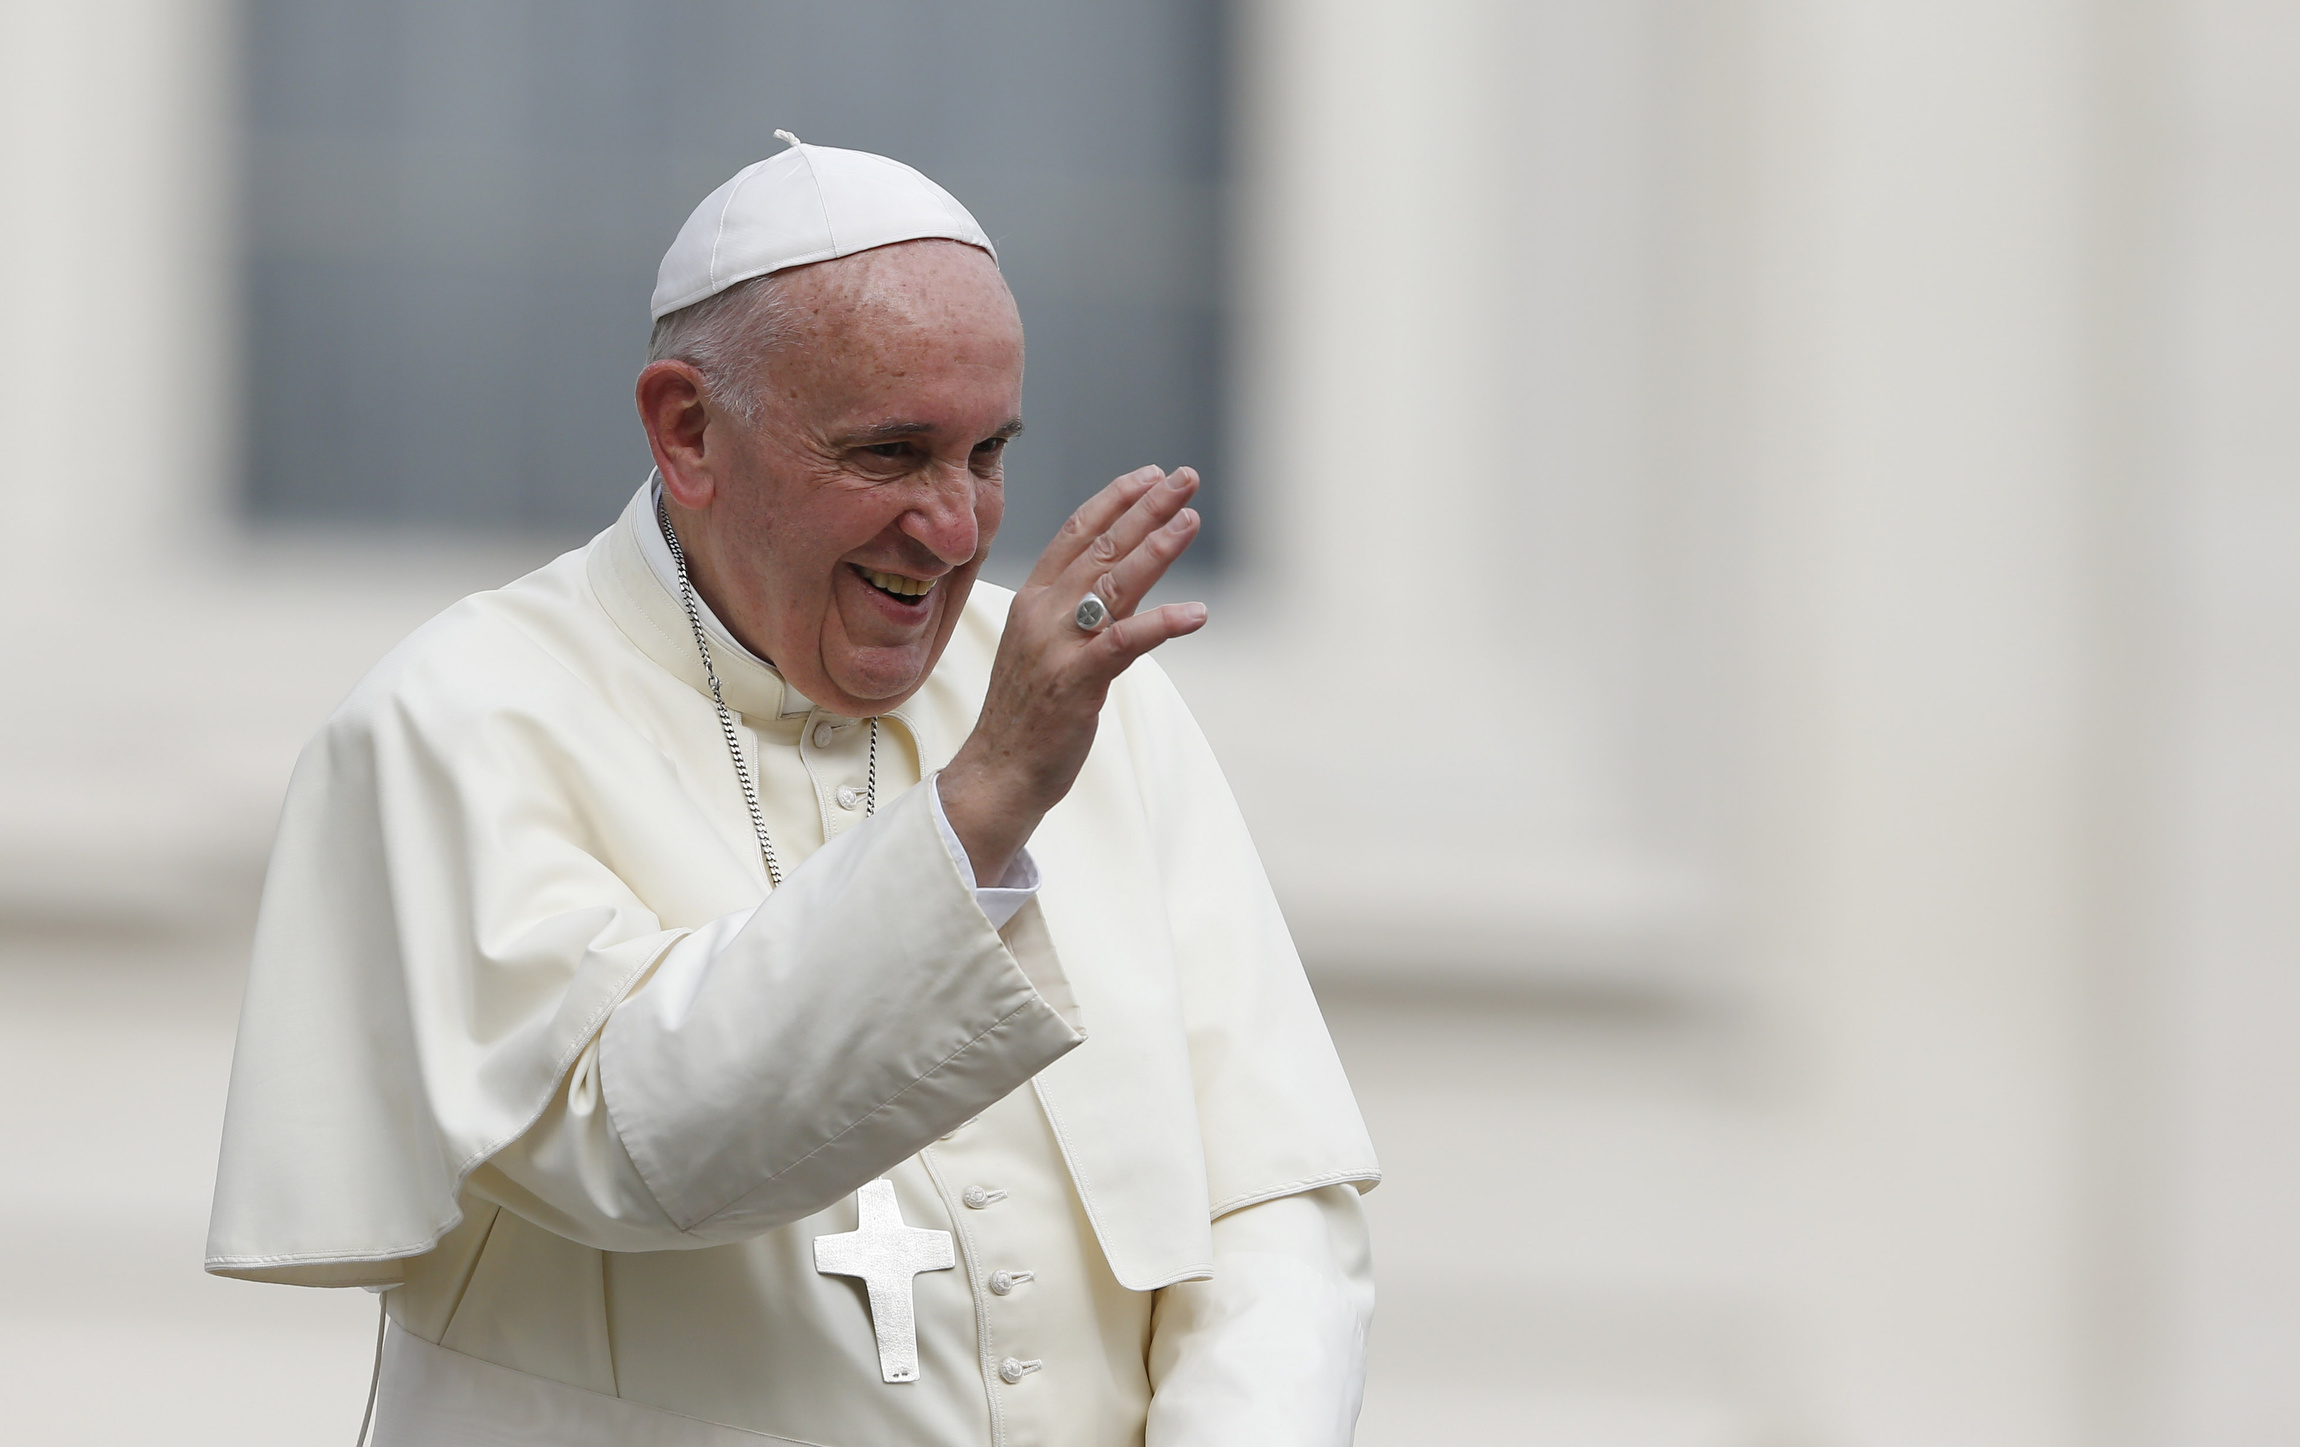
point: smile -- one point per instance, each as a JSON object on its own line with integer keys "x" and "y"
{"x": 909, "y": 590}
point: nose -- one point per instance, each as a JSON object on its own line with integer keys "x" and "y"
{"x": 944, "y": 518}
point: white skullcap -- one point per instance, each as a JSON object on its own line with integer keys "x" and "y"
{"x": 810, "y": 203}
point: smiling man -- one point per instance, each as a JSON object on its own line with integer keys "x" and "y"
{"x": 748, "y": 981}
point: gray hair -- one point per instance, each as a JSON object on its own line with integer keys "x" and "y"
{"x": 728, "y": 337}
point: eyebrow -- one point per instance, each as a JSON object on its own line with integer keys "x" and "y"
{"x": 896, "y": 431}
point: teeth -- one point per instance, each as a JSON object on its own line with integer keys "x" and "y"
{"x": 897, "y": 583}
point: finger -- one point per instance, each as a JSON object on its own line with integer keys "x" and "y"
{"x": 1130, "y": 581}
{"x": 1130, "y": 638}
{"x": 1152, "y": 511}
{"x": 1090, "y": 521}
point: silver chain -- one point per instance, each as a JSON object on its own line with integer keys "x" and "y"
{"x": 727, "y": 716}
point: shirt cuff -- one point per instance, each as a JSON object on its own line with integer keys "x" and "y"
{"x": 998, "y": 902}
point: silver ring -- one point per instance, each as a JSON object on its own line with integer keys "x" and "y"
{"x": 1092, "y": 613}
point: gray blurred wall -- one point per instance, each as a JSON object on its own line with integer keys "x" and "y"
{"x": 453, "y": 213}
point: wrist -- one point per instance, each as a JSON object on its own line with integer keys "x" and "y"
{"x": 982, "y": 810}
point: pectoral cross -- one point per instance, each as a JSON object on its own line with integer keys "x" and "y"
{"x": 886, "y": 1254}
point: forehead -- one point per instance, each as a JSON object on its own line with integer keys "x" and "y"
{"x": 922, "y": 328}
{"x": 894, "y": 292}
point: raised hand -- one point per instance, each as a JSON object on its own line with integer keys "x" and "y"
{"x": 1051, "y": 675}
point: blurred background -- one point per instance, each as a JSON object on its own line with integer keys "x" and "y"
{"x": 1755, "y": 551}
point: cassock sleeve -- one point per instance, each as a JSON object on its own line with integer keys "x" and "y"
{"x": 1271, "y": 1351}
{"x": 464, "y": 892}
{"x": 771, "y": 1057}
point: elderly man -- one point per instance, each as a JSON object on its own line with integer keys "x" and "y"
{"x": 656, "y": 950}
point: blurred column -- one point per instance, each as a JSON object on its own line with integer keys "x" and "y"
{"x": 165, "y": 664}
{"x": 1918, "y": 707}
{"x": 115, "y": 398}
{"x": 2225, "y": 999}
{"x": 1448, "y": 254}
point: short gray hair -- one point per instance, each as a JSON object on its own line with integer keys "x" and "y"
{"x": 728, "y": 337}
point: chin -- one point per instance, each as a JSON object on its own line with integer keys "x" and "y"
{"x": 877, "y": 690}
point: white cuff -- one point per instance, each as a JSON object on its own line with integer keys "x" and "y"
{"x": 998, "y": 902}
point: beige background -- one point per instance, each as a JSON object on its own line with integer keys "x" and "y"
{"x": 1774, "y": 546}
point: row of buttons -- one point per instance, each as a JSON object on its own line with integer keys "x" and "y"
{"x": 1001, "y": 1283}
{"x": 850, "y": 796}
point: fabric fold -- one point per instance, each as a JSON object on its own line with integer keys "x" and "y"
{"x": 865, "y": 1009}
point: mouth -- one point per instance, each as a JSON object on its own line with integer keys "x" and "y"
{"x": 910, "y": 592}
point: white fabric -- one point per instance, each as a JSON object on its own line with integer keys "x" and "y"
{"x": 430, "y": 1396}
{"x": 736, "y": 1012}
{"x": 1271, "y": 1350}
{"x": 794, "y": 1000}
{"x": 752, "y": 1335}
{"x": 670, "y": 1068}
{"x": 1270, "y": 1353}
{"x": 808, "y": 204}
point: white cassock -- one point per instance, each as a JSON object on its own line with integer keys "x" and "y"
{"x": 528, "y": 1041}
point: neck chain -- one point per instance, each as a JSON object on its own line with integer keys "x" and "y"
{"x": 694, "y": 609}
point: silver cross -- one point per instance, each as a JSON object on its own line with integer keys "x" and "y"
{"x": 886, "y": 1254}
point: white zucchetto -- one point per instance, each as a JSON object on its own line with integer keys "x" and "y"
{"x": 811, "y": 203}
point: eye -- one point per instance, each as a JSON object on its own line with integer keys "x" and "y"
{"x": 891, "y": 451}
{"x": 990, "y": 447}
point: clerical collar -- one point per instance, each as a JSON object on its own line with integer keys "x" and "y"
{"x": 658, "y": 556}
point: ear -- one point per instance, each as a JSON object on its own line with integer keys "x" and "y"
{"x": 678, "y": 422}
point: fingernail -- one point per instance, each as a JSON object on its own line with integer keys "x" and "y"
{"x": 1194, "y": 612}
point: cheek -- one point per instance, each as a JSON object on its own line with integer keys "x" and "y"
{"x": 838, "y": 518}
{"x": 989, "y": 512}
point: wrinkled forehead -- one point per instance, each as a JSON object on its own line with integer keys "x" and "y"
{"x": 925, "y": 332}
{"x": 938, "y": 285}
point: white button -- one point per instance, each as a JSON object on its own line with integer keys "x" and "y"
{"x": 1012, "y": 1371}
{"x": 823, "y": 735}
{"x": 850, "y": 797}
{"x": 977, "y": 1197}
{"x": 1004, "y": 1282}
